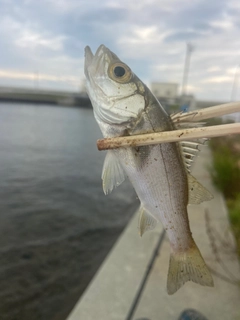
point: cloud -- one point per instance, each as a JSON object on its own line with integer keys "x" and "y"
{"x": 213, "y": 69}
{"x": 49, "y": 37}
{"x": 35, "y": 41}
{"x": 217, "y": 79}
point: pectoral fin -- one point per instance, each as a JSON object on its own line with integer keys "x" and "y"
{"x": 112, "y": 173}
{"x": 146, "y": 221}
{"x": 196, "y": 192}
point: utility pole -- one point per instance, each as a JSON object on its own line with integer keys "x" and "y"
{"x": 189, "y": 50}
{"x": 234, "y": 89}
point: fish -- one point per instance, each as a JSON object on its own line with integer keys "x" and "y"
{"x": 160, "y": 174}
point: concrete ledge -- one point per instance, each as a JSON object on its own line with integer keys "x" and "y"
{"x": 113, "y": 289}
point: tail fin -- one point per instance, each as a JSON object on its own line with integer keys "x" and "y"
{"x": 187, "y": 266}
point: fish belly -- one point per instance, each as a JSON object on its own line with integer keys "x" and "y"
{"x": 160, "y": 181}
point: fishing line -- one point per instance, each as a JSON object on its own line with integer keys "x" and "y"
{"x": 145, "y": 277}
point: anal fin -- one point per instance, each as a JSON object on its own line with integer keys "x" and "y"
{"x": 146, "y": 221}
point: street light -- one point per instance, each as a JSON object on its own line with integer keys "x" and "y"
{"x": 189, "y": 50}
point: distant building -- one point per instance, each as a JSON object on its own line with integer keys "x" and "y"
{"x": 164, "y": 89}
{"x": 167, "y": 94}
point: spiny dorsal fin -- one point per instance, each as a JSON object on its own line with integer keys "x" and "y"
{"x": 112, "y": 173}
{"x": 196, "y": 192}
{"x": 185, "y": 120}
{"x": 189, "y": 149}
{"x": 146, "y": 221}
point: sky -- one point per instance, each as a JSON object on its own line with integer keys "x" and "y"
{"x": 42, "y": 42}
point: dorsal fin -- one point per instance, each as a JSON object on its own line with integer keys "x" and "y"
{"x": 185, "y": 119}
{"x": 190, "y": 149}
{"x": 197, "y": 193}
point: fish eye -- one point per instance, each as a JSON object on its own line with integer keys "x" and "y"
{"x": 120, "y": 72}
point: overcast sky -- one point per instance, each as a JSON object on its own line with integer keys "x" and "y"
{"x": 45, "y": 40}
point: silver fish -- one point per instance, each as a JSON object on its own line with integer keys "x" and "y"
{"x": 124, "y": 106}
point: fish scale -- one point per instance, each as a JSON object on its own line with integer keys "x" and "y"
{"x": 160, "y": 199}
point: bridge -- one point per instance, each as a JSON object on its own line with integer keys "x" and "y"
{"x": 27, "y": 95}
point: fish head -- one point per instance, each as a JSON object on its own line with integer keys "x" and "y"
{"x": 117, "y": 95}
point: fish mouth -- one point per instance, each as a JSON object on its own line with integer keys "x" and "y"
{"x": 95, "y": 63}
{"x": 88, "y": 59}
{"x": 92, "y": 61}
